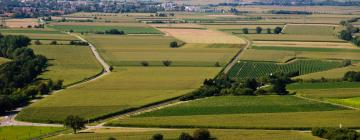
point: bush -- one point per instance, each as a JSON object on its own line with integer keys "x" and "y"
{"x": 346, "y": 62}
{"x": 245, "y": 30}
{"x": 217, "y": 64}
{"x": 244, "y": 91}
{"x": 53, "y": 42}
{"x": 201, "y": 134}
{"x": 336, "y": 133}
{"x": 277, "y": 30}
{"x": 268, "y": 30}
{"x": 352, "y": 76}
{"x": 114, "y": 31}
{"x": 111, "y": 138}
{"x": 258, "y": 30}
{"x": 174, "y": 44}
{"x": 37, "y": 42}
{"x": 167, "y": 63}
{"x": 157, "y": 137}
{"x": 260, "y": 92}
{"x": 185, "y": 136}
{"x": 145, "y": 63}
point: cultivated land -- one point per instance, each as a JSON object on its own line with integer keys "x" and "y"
{"x": 25, "y": 132}
{"x": 98, "y": 28}
{"x": 132, "y": 50}
{"x": 112, "y": 93}
{"x": 309, "y": 30}
{"x": 202, "y": 36}
{"x": 39, "y": 34}
{"x": 242, "y": 105}
{"x": 69, "y": 63}
{"x": 223, "y": 134}
{"x": 337, "y": 73}
{"x": 22, "y": 23}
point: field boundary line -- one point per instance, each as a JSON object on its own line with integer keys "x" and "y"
{"x": 237, "y": 56}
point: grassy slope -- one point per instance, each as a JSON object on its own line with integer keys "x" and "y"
{"x": 123, "y": 89}
{"x": 68, "y": 63}
{"x": 132, "y": 50}
{"x": 242, "y": 105}
{"x": 25, "y": 132}
{"x": 222, "y": 134}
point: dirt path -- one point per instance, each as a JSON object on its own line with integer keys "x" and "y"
{"x": 237, "y": 57}
{"x": 9, "y": 120}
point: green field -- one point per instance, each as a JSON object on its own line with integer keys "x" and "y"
{"x": 92, "y": 29}
{"x": 29, "y": 31}
{"x": 289, "y": 37}
{"x": 132, "y": 50}
{"x": 323, "y": 85}
{"x": 354, "y": 102}
{"x": 292, "y": 120}
{"x": 305, "y": 49}
{"x": 69, "y": 63}
{"x": 242, "y": 105}
{"x": 25, "y": 132}
{"x": 39, "y": 34}
{"x": 253, "y": 69}
{"x": 123, "y": 89}
{"x": 337, "y": 73}
{"x": 173, "y": 134}
{"x": 340, "y": 93}
{"x": 310, "y": 30}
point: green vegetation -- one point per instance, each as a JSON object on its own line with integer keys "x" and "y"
{"x": 304, "y": 49}
{"x": 93, "y": 29}
{"x": 253, "y": 69}
{"x": 290, "y": 37}
{"x": 39, "y": 34}
{"x": 125, "y": 88}
{"x": 224, "y": 134}
{"x": 3, "y": 60}
{"x": 337, "y": 73}
{"x": 293, "y": 120}
{"x": 354, "y": 102}
{"x": 336, "y": 133}
{"x": 241, "y": 105}
{"x": 133, "y": 50}
{"x": 329, "y": 93}
{"x": 69, "y": 63}
{"x": 310, "y": 30}
{"x": 25, "y": 132}
{"x": 322, "y": 85}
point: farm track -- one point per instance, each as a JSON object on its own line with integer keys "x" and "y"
{"x": 237, "y": 57}
{"x": 10, "y": 119}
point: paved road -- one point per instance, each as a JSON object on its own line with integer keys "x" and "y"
{"x": 9, "y": 120}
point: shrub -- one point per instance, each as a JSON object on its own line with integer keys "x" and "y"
{"x": 244, "y": 91}
{"x": 53, "y": 42}
{"x": 201, "y": 134}
{"x": 157, "y": 137}
{"x": 111, "y": 68}
{"x": 277, "y": 30}
{"x": 346, "y": 62}
{"x": 260, "y": 92}
{"x": 245, "y": 30}
{"x": 336, "y": 133}
{"x": 37, "y": 42}
{"x": 268, "y": 30}
{"x": 111, "y": 138}
{"x": 258, "y": 30}
{"x": 217, "y": 64}
{"x": 185, "y": 136}
{"x": 174, "y": 44}
{"x": 167, "y": 63}
{"x": 114, "y": 31}
{"x": 145, "y": 63}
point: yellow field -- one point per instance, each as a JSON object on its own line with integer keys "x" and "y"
{"x": 21, "y": 23}
{"x": 338, "y": 45}
{"x": 203, "y": 36}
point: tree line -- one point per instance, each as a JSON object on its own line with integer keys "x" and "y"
{"x": 223, "y": 86}
{"x": 336, "y": 133}
{"x": 259, "y": 30}
{"x": 18, "y": 78}
{"x": 349, "y": 32}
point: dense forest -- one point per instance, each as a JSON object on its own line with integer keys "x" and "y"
{"x": 18, "y": 77}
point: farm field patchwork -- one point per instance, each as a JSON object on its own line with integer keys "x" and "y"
{"x": 203, "y": 36}
{"x": 124, "y": 88}
{"x": 22, "y": 23}
{"x": 69, "y": 63}
{"x": 337, "y": 73}
{"x": 132, "y": 50}
{"x": 242, "y": 105}
{"x": 289, "y": 120}
{"x": 289, "y": 37}
{"x": 253, "y": 69}
{"x": 25, "y": 132}
{"x": 223, "y": 134}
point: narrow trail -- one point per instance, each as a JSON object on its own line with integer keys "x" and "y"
{"x": 9, "y": 120}
{"x": 237, "y": 57}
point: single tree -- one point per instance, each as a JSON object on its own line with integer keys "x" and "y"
{"x": 268, "y": 30}
{"x": 37, "y": 42}
{"x": 217, "y": 64}
{"x": 258, "y": 30}
{"x": 145, "y": 63}
{"x": 201, "y": 134}
{"x": 245, "y": 30}
{"x": 53, "y": 42}
{"x": 185, "y": 136}
{"x": 277, "y": 30}
{"x": 174, "y": 44}
{"x": 157, "y": 137}
{"x": 167, "y": 63}
{"x": 74, "y": 122}
{"x": 111, "y": 138}
{"x": 345, "y": 35}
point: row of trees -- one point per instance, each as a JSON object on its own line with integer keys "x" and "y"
{"x": 72, "y": 42}
{"x": 18, "y": 78}
{"x": 352, "y": 76}
{"x": 259, "y": 30}
{"x": 336, "y": 133}
{"x": 223, "y": 85}
{"x": 111, "y": 31}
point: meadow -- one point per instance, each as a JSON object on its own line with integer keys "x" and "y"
{"x": 123, "y": 89}
{"x": 132, "y": 50}
{"x": 302, "y": 29}
{"x": 336, "y": 93}
{"x": 354, "y": 102}
{"x": 290, "y": 37}
{"x": 289, "y": 120}
{"x": 241, "y": 105}
{"x": 334, "y": 45}
{"x": 222, "y": 134}
{"x": 253, "y": 69}
{"x": 39, "y": 34}
{"x": 69, "y": 63}
{"x": 25, "y": 132}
